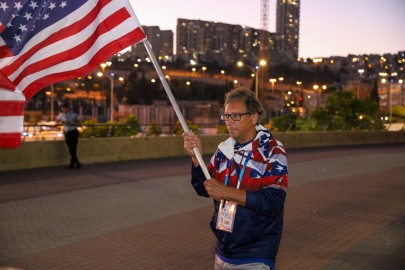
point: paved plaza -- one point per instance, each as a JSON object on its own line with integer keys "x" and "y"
{"x": 345, "y": 210}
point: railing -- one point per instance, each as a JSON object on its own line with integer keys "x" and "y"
{"x": 55, "y": 132}
{"x": 46, "y": 132}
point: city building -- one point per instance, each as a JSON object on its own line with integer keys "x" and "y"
{"x": 391, "y": 94}
{"x": 288, "y": 25}
{"x": 161, "y": 41}
{"x": 214, "y": 42}
{"x": 222, "y": 43}
{"x": 232, "y": 42}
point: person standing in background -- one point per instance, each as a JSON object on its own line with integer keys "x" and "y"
{"x": 70, "y": 121}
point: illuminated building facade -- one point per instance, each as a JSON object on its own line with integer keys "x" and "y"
{"x": 288, "y": 25}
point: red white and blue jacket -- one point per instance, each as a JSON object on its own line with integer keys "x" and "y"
{"x": 258, "y": 225}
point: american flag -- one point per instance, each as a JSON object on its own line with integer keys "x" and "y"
{"x": 46, "y": 41}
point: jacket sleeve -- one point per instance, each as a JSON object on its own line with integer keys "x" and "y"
{"x": 268, "y": 201}
{"x": 197, "y": 180}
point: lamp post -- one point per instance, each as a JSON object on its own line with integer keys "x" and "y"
{"x": 301, "y": 98}
{"x": 318, "y": 98}
{"x": 101, "y": 74}
{"x": 255, "y": 72}
{"x": 257, "y": 82}
{"x": 203, "y": 69}
{"x": 319, "y": 90}
{"x": 324, "y": 87}
{"x": 316, "y": 61}
{"x": 273, "y": 81}
{"x": 224, "y": 75}
{"x": 401, "y": 82}
{"x": 111, "y": 79}
{"x": 52, "y": 109}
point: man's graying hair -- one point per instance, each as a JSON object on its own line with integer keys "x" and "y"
{"x": 248, "y": 97}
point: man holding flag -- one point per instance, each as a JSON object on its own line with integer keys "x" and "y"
{"x": 43, "y": 42}
{"x": 248, "y": 185}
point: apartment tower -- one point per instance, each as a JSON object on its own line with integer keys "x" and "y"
{"x": 288, "y": 24}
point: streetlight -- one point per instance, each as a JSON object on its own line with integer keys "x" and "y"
{"x": 100, "y": 74}
{"x": 361, "y": 72}
{"x": 273, "y": 81}
{"x": 52, "y": 92}
{"x": 318, "y": 98}
{"x": 401, "y": 82}
{"x": 301, "y": 98}
{"x": 316, "y": 61}
{"x": 319, "y": 89}
{"x": 105, "y": 65}
{"x": 255, "y": 72}
{"x": 224, "y": 75}
{"x": 203, "y": 81}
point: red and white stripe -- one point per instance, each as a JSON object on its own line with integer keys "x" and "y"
{"x": 11, "y": 118}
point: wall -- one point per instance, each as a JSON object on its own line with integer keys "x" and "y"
{"x": 54, "y": 153}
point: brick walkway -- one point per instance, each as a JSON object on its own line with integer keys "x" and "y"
{"x": 345, "y": 210}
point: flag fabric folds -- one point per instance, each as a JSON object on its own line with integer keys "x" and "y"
{"x": 11, "y": 118}
{"x": 43, "y": 42}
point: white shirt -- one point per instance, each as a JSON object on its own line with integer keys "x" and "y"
{"x": 69, "y": 120}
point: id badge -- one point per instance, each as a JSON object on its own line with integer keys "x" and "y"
{"x": 226, "y": 216}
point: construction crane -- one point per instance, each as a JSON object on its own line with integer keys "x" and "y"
{"x": 264, "y": 51}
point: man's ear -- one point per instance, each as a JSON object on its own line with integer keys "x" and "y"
{"x": 255, "y": 117}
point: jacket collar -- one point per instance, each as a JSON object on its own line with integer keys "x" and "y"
{"x": 227, "y": 147}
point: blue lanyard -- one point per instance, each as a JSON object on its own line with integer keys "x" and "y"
{"x": 228, "y": 168}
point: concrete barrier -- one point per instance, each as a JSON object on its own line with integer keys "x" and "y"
{"x": 99, "y": 150}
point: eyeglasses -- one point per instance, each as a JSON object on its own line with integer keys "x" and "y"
{"x": 233, "y": 116}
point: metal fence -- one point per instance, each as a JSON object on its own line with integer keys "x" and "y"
{"x": 55, "y": 132}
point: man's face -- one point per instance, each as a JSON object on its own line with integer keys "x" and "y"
{"x": 243, "y": 130}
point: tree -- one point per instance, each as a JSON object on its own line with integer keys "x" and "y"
{"x": 398, "y": 112}
{"x": 344, "y": 110}
{"x": 374, "y": 96}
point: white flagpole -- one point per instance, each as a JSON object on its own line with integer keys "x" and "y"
{"x": 174, "y": 103}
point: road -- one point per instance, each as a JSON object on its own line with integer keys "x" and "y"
{"x": 345, "y": 209}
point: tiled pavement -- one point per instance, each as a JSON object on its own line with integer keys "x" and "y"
{"x": 345, "y": 209}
